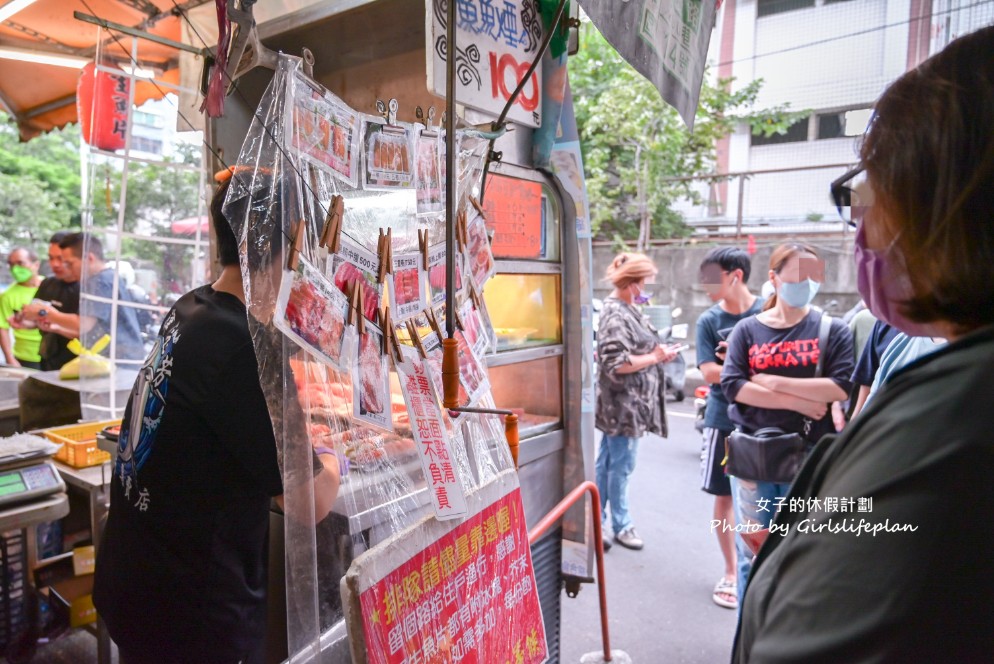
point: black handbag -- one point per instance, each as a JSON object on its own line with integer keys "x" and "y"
{"x": 771, "y": 454}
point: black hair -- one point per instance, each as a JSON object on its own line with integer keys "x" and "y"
{"x": 58, "y": 237}
{"x": 83, "y": 242}
{"x": 227, "y": 245}
{"x": 729, "y": 259}
{"x": 258, "y": 198}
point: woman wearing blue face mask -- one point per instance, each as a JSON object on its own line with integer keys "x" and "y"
{"x": 630, "y": 387}
{"x": 769, "y": 377}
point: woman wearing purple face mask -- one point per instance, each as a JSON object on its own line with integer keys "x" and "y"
{"x": 904, "y": 575}
{"x": 630, "y": 387}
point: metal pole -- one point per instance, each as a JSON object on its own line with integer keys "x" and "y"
{"x": 557, "y": 513}
{"x": 738, "y": 216}
{"x": 450, "y": 169}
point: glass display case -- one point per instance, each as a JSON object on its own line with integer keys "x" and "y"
{"x": 525, "y": 309}
{"x": 526, "y": 301}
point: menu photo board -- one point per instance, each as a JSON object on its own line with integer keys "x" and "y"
{"x": 515, "y": 215}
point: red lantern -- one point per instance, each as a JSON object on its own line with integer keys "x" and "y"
{"x": 102, "y": 105}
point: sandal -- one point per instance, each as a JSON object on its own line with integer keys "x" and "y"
{"x": 724, "y": 589}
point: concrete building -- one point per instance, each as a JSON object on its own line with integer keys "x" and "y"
{"x": 832, "y": 58}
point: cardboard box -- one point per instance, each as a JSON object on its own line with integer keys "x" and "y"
{"x": 74, "y": 597}
{"x": 84, "y": 560}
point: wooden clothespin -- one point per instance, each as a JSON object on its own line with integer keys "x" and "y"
{"x": 458, "y": 319}
{"x": 385, "y": 251}
{"x": 390, "y": 336}
{"x": 476, "y": 204}
{"x": 412, "y": 330}
{"x": 296, "y": 243}
{"x": 354, "y": 313}
{"x": 475, "y": 297}
{"x": 423, "y": 247}
{"x": 433, "y": 322}
{"x": 331, "y": 234}
{"x": 462, "y": 236}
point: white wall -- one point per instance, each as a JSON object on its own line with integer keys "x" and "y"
{"x": 823, "y": 58}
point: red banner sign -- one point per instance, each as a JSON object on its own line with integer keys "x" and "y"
{"x": 469, "y": 597}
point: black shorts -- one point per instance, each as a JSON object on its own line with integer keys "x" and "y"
{"x": 713, "y": 477}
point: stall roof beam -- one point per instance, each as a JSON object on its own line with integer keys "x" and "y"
{"x": 143, "y": 6}
{"x": 50, "y": 106}
{"x": 135, "y": 32}
{"x": 39, "y": 37}
{"x": 9, "y": 107}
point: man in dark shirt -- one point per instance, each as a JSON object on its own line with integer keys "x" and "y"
{"x": 181, "y": 570}
{"x": 61, "y": 291}
{"x": 95, "y": 315}
{"x": 723, "y": 273}
{"x": 869, "y": 361}
{"x": 43, "y": 404}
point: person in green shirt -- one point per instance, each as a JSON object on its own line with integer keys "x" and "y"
{"x": 23, "y": 264}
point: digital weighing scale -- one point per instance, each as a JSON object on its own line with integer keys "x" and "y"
{"x": 26, "y": 478}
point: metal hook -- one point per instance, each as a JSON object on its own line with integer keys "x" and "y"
{"x": 308, "y": 62}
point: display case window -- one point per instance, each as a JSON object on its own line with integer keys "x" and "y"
{"x": 523, "y": 217}
{"x": 525, "y": 309}
{"x": 534, "y": 391}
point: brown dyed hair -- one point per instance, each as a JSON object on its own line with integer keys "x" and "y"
{"x": 779, "y": 258}
{"x": 929, "y": 155}
{"x": 628, "y": 268}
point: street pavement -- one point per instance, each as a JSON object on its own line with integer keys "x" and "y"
{"x": 659, "y": 598}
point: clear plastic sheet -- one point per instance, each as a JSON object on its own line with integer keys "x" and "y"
{"x": 284, "y": 182}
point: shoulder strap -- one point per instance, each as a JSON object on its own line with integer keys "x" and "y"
{"x": 824, "y": 330}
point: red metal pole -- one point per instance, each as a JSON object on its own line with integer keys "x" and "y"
{"x": 557, "y": 513}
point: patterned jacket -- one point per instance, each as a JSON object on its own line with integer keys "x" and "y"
{"x": 628, "y": 404}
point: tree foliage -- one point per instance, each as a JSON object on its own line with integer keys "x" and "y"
{"x": 39, "y": 185}
{"x": 632, "y": 140}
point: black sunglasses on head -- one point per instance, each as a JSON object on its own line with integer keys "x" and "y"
{"x": 842, "y": 195}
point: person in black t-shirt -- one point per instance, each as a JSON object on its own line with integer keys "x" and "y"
{"x": 43, "y": 404}
{"x": 94, "y": 318}
{"x": 768, "y": 376}
{"x": 181, "y": 569}
{"x": 724, "y": 272}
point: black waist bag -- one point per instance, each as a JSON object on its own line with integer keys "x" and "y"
{"x": 771, "y": 454}
{"x": 768, "y": 455}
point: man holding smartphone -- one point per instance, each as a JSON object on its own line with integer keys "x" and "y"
{"x": 723, "y": 273}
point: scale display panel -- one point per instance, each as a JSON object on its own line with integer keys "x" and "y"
{"x": 28, "y": 482}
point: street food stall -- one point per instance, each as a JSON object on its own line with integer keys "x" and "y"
{"x": 517, "y": 316}
{"x": 419, "y": 288}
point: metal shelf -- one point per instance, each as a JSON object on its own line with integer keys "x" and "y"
{"x": 513, "y": 267}
{"x": 525, "y": 355}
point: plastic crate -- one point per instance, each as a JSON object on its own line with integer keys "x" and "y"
{"x": 79, "y": 443}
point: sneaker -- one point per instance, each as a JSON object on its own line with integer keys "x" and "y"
{"x": 629, "y": 539}
{"x": 606, "y": 541}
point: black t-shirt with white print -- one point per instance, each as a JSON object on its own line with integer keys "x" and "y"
{"x": 181, "y": 571}
{"x": 755, "y": 348}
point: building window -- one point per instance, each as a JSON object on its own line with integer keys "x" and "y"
{"x": 143, "y": 144}
{"x": 770, "y": 7}
{"x": 796, "y": 133}
{"x": 149, "y": 119}
{"x": 843, "y": 124}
